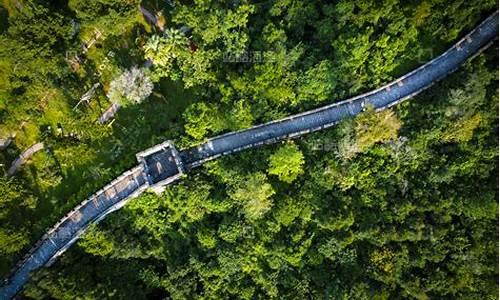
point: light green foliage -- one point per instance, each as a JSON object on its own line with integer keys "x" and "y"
{"x": 462, "y": 111}
{"x": 201, "y": 120}
{"x": 287, "y": 211}
{"x": 240, "y": 116}
{"x": 217, "y": 24}
{"x": 216, "y": 29}
{"x": 172, "y": 58}
{"x": 360, "y": 47}
{"x": 463, "y": 130}
{"x": 111, "y": 17}
{"x": 164, "y": 51}
{"x": 31, "y": 58}
{"x": 12, "y": 241}
{"x": 366, "y": 130}
{"x": 372, "y": 128}
{"x": 338, "y": 253}
{"x": 317, "y": 84}
{"x": 96, "y": 242}
{"x": 254, "y": 193}
{"x": 287, "y": 163}
{"x": 207, "y": 239}
{"x": 272, "y": 83}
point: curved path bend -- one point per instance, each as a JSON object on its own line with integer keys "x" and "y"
{"x": 157, "y": 167}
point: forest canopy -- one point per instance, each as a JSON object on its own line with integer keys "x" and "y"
{"x": 401, "y": 203}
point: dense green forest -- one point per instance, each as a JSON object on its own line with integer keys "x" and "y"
{"x": 397, "y": 204}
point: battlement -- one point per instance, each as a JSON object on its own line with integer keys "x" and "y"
{"x": 162, "y": 165}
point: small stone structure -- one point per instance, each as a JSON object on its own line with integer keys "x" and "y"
{"x": 162, "y": 165}
{"x": 109, "y": 113}
{"x": 23, "y": 157}
{"x": 88, "y": 95}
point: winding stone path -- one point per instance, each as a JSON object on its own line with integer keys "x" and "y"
{"x": 163, "y": 164}
{"x": 23, "y": 157}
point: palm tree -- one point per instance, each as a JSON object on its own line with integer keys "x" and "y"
{"x": 152, "y": 46}
{"x": 175, "y": 38}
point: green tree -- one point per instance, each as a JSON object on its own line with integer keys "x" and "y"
{"x": 202, "y": 119}
{"x": 96, "y": 242}
{"x": 110, "y": 17}
{"x": 287, "y": 163}
{"x": 254, "y": 194}
{"x": 15, "y": 203}
{"x": 366, "y": 130}
{"x": 164, "y": 51}
{"x": 372, "y": 127}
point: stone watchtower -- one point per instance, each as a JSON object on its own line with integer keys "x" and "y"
{"x": 162, "y": 165}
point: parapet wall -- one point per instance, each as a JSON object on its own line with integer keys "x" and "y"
{"x": 63, "y": 234}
